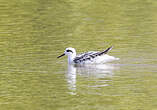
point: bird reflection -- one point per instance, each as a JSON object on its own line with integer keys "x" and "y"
{"x": 97, "y": 71}
{"x": 71, "y": 79}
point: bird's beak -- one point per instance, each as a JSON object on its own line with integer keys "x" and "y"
{"x": 61, "y": 55}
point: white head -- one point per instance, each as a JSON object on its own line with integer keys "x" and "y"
{"x": 70, "y": 52}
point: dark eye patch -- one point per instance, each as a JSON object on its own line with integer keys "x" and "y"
{"x": 69, "y": 51}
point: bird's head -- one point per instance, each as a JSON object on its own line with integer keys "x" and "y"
{"x": 69, "y": 52}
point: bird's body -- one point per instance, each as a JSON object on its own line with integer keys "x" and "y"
{"x": 88, "y": 57}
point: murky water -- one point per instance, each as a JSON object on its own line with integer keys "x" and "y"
{"x": 33, "y": 33}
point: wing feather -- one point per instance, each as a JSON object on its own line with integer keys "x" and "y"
{"x": 90, "y": 55}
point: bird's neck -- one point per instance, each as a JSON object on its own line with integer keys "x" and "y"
{"x": 71, "y": 58}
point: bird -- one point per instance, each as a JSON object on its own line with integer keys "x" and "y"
{"x": 91, "y": 57}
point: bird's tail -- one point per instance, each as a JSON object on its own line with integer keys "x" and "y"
{"x": 106, "y": 51}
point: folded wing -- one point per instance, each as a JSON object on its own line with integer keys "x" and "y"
{"x": 89, "y": 55}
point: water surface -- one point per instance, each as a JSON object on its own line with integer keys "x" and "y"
{"x": 33, "y": 33}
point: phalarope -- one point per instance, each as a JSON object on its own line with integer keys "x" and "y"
{"x": 88, "y": 57}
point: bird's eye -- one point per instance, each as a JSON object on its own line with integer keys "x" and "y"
{"x": 69, "y": 51}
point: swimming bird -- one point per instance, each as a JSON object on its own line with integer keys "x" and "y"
{"x": 91, "y": 57}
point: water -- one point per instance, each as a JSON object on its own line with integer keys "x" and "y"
{"x": 33, "y": 33}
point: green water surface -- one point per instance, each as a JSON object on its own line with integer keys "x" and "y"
{"x": 34, "y": 32}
